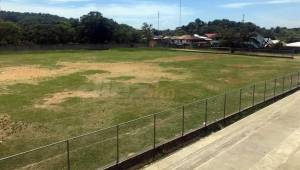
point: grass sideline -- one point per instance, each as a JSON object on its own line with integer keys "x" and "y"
{"x": 208, "y": 74}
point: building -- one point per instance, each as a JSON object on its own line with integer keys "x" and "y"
{"x": 190, "y": 40}
{"x": 182, "y": 41}
{"x": 258, "y": 41}
{"x": 212, "y": 36}
{"x": 295, "y": 45}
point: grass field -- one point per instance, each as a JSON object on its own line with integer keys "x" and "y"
{"x": 50, "y": 96}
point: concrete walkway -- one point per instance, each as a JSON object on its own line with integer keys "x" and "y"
{"x": 266, "y": 140}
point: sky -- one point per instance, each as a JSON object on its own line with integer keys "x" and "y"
{"x": 265, "y": 13}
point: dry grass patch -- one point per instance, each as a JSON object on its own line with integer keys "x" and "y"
{"x": 240, "y": 66}
{"x": 180, "y": 58}
{"x": 8, "y": 127}
{"x": 143, "y": 72}
{"x": 60, "y": 97}
{"x": 31, "y": 74}
{"x": 26, "y": 74}
{"x": 139, "y": 73}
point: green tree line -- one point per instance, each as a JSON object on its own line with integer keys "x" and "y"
{"x": 234, "y": 32}
{"x": 31, "y": 28}
{"x": 35, "y": 28}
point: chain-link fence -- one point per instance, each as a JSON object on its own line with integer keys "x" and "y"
{"x": 113, "y": 145}
{"x": 277, "y": 53}
{"x": 8, "y": 48}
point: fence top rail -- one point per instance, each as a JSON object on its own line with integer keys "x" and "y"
{"x": 143, "y": 117}
{"x": 32, "y": 150}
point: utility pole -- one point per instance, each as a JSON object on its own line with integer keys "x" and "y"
{"x": 158, "y": 20}
{"x": 180, "y": 15}
{"x": 243, "y": 21}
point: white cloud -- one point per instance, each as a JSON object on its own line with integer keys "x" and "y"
{"x": 64, "y": 1}
{"x": 237, "y": 5}
{"x": 252, "y": 3}
{"x": 282, "y": 1}
{"x": 134, "y": 13}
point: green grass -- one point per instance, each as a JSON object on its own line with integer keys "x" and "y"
{"x": 211, "y": 75}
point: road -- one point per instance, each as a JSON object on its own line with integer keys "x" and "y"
{"x": 266, "y": 140}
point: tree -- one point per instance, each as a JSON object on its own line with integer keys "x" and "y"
{"x": 196, "y": 27}
{"x": 37, "y": 28}
{"x": 147, "y": 31}
{"x": 9, "y": 33}
{"x": 94, "y": 28}
{"x": 126, "y": 34}
{"x": 52, "y": 29}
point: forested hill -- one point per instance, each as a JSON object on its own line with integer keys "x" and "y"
{"x": 232, "y": 30}
{"x": 227, "y": 28}
{"x": 32, "y": 28}
{"x": 22, "y": 18}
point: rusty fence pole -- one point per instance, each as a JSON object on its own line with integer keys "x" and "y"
{"x": 265, "y": 90}
{"x": 283, "y": 84}
{"x": 154, "y": 131}
{"x": 183, "y": 121}
{"x": 206, "y": 110}
{"x": 291, "y": 87}
{"x": 253, "y": 95}
{"x": 240, "y": 101}
{"x": 68, "y": 154}
{"x": 225, "y": 103}
{"x": 117, "y": 150}
{"x": 275, "y": 84}
{"x": 298, "y": 82}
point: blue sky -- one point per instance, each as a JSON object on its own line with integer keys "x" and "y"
{"x": 266, "y": 13}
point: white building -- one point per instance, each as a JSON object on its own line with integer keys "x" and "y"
{"x": 295, "y": 44}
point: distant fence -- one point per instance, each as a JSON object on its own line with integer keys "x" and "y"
{"x": 113, "y": 145}
{"x": 284, "y": 52}
{"x": 277, "y": 53}
{"x": 69, "y": 47}
{"x": 287, "y": 52}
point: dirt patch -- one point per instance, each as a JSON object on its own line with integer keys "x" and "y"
{"x": 8, "y": 127}
{"x": 240, "y": 66}
{"x": 31, "y": 74}
{"x": 179, "y": 58}
{"x": 58, "y": 98}
{"x": 225, "y": 71}
{"x": 143, "y": 72}
{"x": 27, "y": 74}
{"x": 139, "y": 73}
{"x": 224, "y": 80}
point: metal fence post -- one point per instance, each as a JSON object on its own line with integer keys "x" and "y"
{"x": 183, "y": 121}
{"x": 206, "y": 110}
{"x": 240, "y": 104}
{"x": 283, "y": 84}
{"x": 118, "y": 153}
{"x": 154, "y": 131}
{"x": 275, "y": 84}
{"x": 298, "y": 82}
{"x": 291, "y": 82}
{"x": 253, "y": 95}
{"x": 265, "y": 90}
{"x": 225, "y": 102}
{"x": 68, "y": 154}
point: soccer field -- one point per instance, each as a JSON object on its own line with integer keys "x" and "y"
{"x": 53, "y": 95}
